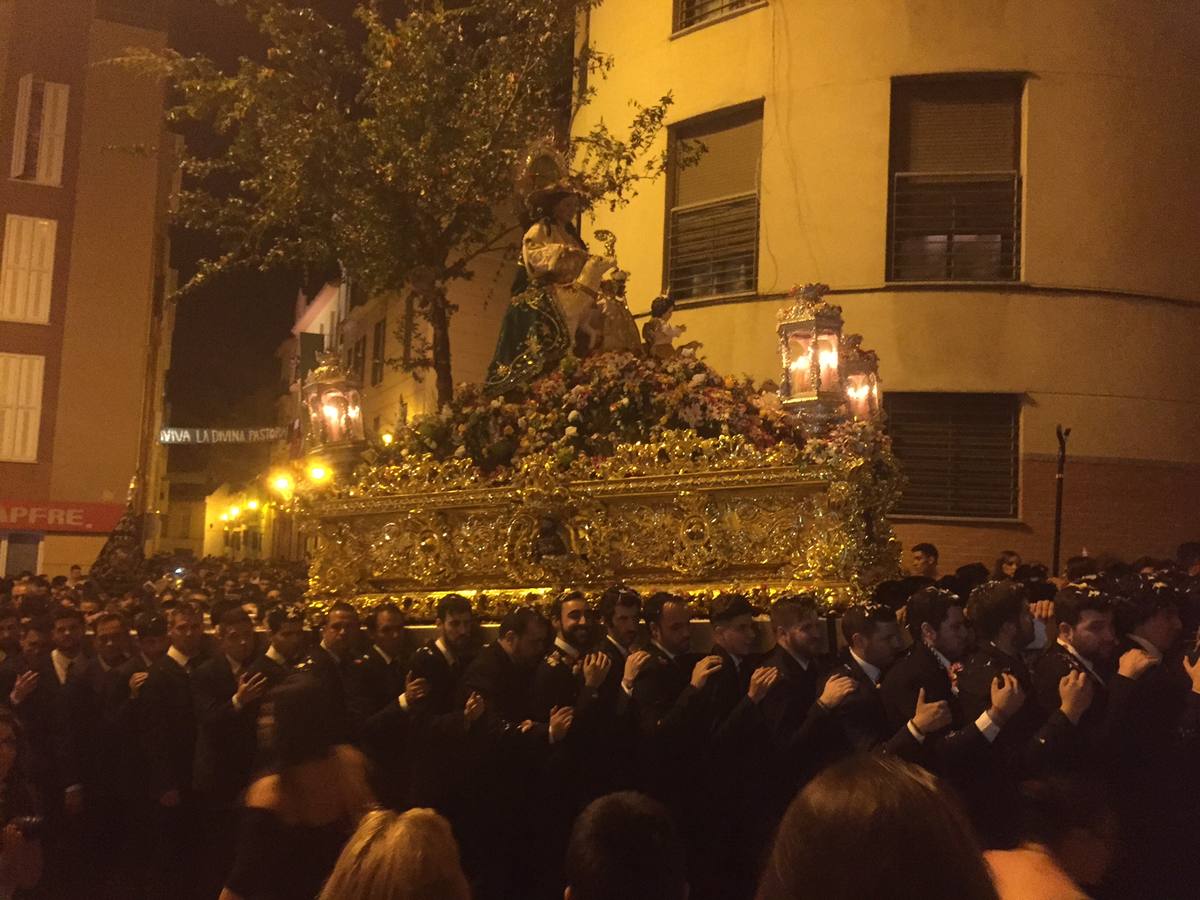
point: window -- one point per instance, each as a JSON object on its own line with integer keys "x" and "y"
{"x": 357, "y": 361}
{"x": 712, "y": 225}
{"x": 378, "y": 350}
{"x": 693, "y": 12}
{"x": 41, "y": 131}
{"x": 955, "y": 210}
{"x": 27, "y": 269}
{"x": 20, "y": 406}
{"x": 959, "y": 453}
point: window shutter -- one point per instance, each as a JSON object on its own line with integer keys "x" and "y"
{"x": 54, "y": 133}
{"x": 955, "y": 211}
{"x": 712, "y": 226}
{"x": 729, "y": 168}
{"x": 20, "y": 406}
{"x": 27, "y": 269}
{"x": 959, "y": 453}
{"x": 964, "y": 125}
{"x": 21, "y": 129}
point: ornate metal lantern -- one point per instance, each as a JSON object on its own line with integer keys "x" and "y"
{"x": 810, "y": 338}
{"x": 331, "y": 397}
{"x": 860, "y": 370}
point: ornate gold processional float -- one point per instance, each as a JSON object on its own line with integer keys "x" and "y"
{"x": 593, "y": 455}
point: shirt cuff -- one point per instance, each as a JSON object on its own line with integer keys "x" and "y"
{"x": 912, "y": 729}
{"x": 403, "y": 701}
{"x": 629, "y": 691}
{"x": 237, "y": 703}
{"x": 987, "y": 727}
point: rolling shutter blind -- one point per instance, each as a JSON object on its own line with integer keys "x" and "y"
{"x": 955, "y": 209}
{"x": 959, "y": 453}
{"x": 712, "y": 227}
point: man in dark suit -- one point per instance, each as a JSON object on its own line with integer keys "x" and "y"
{"x": 227, "y": 697}
{"x": 380, "y": 700}
{"x": 168, "y": 736}
{"x": 1029, "y": 742}
{"x": 439, "y": 747}
{"x": 798, "y": 708}
{"x": 286, "y": 645}
{"x": 666, "y": 697}
{"x": 122, "y": 716}
{"x": 1086, "y": 643}
{"x": 331, "y": 661}
{"x": 939, "y": 630}
{"x": 620, "y": 613}
{"x": 736, "y": 740}
{"x": 572, "y": 675}
{"x": 1156, "y": 783}
{"x": 516, "y": 749}
{"x": 95, "y": 758}
{"x": 872, "y": 641}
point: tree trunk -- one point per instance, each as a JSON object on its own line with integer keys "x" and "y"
{"x": 439, "y": 320}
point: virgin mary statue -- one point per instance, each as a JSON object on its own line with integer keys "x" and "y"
{"x": 557, "y": 305}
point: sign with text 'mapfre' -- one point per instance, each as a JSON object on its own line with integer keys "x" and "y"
{"x": 220, "y": 435}
{"x": 59, "y": 516}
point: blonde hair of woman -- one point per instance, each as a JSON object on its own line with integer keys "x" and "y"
{"x": 399, "y": 856}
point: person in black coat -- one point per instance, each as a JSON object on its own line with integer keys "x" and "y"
{"x": 735, "y": 754}
{"x": 861, "y": 723}
{"x": 620, "y": 614}
{"x": 286, "y": 643}
{"x": 798, "y": 709}
{"x": 227, "y": 697}
{"x": 439, "y": 745}
{"x": 666, "y": 699}
{"x": 497, "y": 847}
{"x": 1156, "y": 784}
{"x": 571, "y": 676}
{"x": 331, "y": 661}
{"x": 1030, "y": 742}
{"x": 30, "y": 689}
{"x": 1086, "y": 643}
{"x": 94, "y": 763}
{"x": 939, "y": 631}
{"x": 381, "y": 700}
{"x": 168, "y": 737}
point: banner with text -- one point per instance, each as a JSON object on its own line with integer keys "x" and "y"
{"x": 220, "y": 435}
{"x": 59, "y": 516}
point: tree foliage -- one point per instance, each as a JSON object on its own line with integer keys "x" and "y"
{"x": 388, "y": 143}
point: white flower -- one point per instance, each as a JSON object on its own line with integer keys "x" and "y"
{"x": 574, "y": 416}
{"x": 699, "y": 379}
{"x": 461, "y": 451}
{"x": 571, "y": 431}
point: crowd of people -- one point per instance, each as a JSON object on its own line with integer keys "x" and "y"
{"x": 996, "y": 732}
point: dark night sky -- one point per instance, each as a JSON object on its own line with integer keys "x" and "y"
{"x": 223, "y": 369}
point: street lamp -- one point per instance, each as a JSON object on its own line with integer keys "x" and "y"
{"x": 860, "y": 368}
{"x": 810, "y": 338}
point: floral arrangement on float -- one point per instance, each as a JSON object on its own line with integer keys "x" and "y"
{"x": 589, "y": 407}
